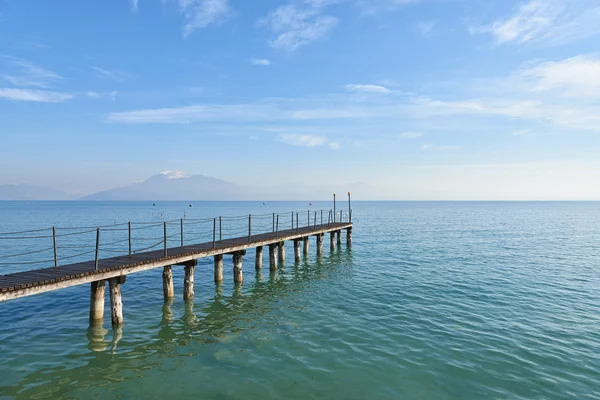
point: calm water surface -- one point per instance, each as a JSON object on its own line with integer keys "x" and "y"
{"x": 433, "y": 301}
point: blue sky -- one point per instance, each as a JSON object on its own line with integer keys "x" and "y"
{"x": 422, "y": 99}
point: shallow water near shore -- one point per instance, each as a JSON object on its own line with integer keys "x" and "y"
{"x": 435, "y": 300}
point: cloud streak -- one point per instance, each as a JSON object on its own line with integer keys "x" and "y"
{"x": 549, "y": 21}
{"x": 367, "y": 89}
{"x": 307, "y": 141}
{"x": 203, "y": 13}
{"x": 42, "y": 96}
{"x": 27, "y": 74}
{"x": 294, "y": 26}
{"x": 260, "y": 62}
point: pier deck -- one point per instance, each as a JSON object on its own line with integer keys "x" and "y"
{"x": 32, "y": 282}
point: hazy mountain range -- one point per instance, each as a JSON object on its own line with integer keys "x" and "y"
{"x": 175, "y": 185}
{"x": 30, "y": 192}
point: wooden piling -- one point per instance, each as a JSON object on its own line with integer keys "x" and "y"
{"x": 238, "y": 275}
{"x": 168, "y": 289}
{"x": 349, "y": 236}
{"x": 297, "y": 257}
{"x": 116, "y": 303}
{"x": 339, "y": 237}
{"x": 281, "y": 251}
{"x": 219, "y": 268}
{"x": 97, "y": 290}
{"x": 259, "y": 258}
{"x": 188, "y": 281}
{"x": 320, "y": 244}
{"x": 306, "y": 245}
{"x": 273, "y": 257}
{"x": 332, "y": 240}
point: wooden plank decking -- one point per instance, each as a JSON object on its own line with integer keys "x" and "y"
{"x": 27, "y": 283}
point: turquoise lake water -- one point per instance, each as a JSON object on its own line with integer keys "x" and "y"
{"x": 433, "y": 301}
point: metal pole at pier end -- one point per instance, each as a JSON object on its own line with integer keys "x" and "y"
{"x": 129, "y": 235}
{"x": 54, "y": 240}
{"x": 334, "y": 208}
{"x": 97, "y": 248}
{"x": 349, "y": 209}
{"x": 277, "y": 227}
{"x": 165, "y": 236}
{"x": 220, "y": 229}
{"x": 181, "y": 231}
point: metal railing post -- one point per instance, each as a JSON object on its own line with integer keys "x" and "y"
{"x": 277, "y": 227}
{"x": 273, "y": 222}
{"x": 165, "y": 236}
{"x": 129, "y": 236}
{"x": 220, "y": 229}
{"x": 249, "y": 228}
{"x": 292, "y": 220}
{"x": 215, "y": 231}
{"x": 97, "y": 248}
{"x": 181, "y": 230}
{"x": 321, "y": 217}
{"x": 55, "y": 249}
{"x": 315, "y": 219}
{"x": 297, "y": 223}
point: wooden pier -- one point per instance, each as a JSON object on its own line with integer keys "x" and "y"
{"x": 114, "y": 270}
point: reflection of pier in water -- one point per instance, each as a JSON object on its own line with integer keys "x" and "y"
{"x": 221, "y": 317}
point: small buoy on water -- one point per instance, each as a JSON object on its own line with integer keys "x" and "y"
{"x": 153, "y": 204}
{"x": 191, "y": 205}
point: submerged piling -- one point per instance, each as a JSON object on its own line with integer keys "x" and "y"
{"x": 116, "y": 303}
{"x": 97, "y": 290}
{"x": 188, "y": 280}
{"x": 238, "y": 275}
{"x": 167, "y": 276}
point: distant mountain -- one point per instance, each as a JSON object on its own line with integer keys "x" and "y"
{"x": 173, "y": 185}
{"x": 30, "y": 192}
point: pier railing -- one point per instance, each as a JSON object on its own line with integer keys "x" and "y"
{"x": 55, "y": 246}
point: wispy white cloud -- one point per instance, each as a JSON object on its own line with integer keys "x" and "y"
{"x": 260, "y": 62}
{"x": 367, "y": 89}
{"x": 307, "y": 140}
{"x": 296, "y": 25}
{"x": 302, "y": 140}
{"x": 134, "y": 5}
{"x": 20, "y": 72}
{"x": 114, "y": 74}
{"x": 99, "y": 95}
{"x": 545, "y": 93}
{"x": 573, "y": 77}
{"x": 203, "y": 13}
{"x": 549, "y": 21}
{"x": 43, "y": 96}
